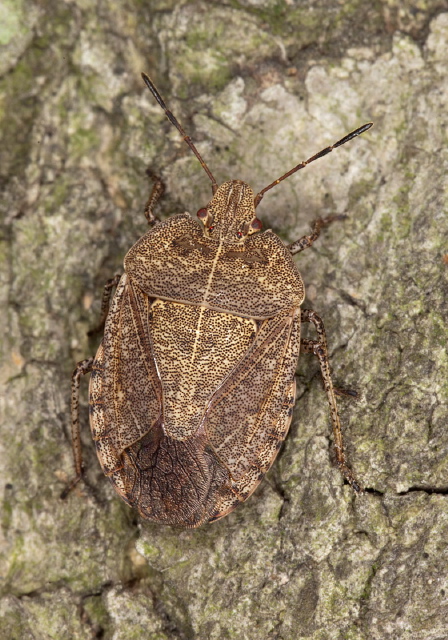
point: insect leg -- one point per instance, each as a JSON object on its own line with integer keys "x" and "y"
{"x": 346, "y": 393}
{"x": 157, "y": 192}
{"x": 105, "y": 303}
{"x": 307, "y": 241}
{"x": 319, "y": 349}
{"x": 83, "y": 367}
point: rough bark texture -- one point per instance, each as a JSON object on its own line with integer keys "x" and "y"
{"x": 260, "y": 85}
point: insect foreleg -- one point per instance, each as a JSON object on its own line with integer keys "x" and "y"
{"x": 307, "y": 241}
{"x": 157, "y": 192}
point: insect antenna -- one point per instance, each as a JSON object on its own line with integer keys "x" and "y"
{"x": 320, "y": 154}
{"x": 179, "y": 127}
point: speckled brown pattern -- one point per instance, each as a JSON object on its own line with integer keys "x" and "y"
{"x": 252, "y": 277}
{"x": 193, "y": 386}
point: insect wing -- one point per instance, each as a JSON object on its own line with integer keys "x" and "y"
{"x": 125, "y": 395}
{"x": 249, "y": 415}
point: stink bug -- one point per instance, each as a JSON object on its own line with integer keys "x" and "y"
{"x": 192, "y": 388}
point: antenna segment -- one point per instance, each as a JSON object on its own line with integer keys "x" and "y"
{"x": 179, "y": 127}
{"x": 320, "y": 154}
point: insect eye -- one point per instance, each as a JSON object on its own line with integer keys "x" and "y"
{"x": 202, "y": 213}
{"x": 239, "y": 234}
{"x": 256, "y": 224}
{"x": 211, "y": 228}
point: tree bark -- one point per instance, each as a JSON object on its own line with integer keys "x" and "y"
{"x": 259, "y": 85}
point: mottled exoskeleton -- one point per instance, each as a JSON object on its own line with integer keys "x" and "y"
{"x": 192, "y": 388}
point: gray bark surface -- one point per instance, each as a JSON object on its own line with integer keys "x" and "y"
{"x": 259, "y": 85}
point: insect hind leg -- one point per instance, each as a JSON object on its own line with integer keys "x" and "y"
{"x": 319, "y": 348}
{"x": 83, "y": 367}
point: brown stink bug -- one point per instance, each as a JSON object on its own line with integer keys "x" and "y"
{"x": 192, "y": 388}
